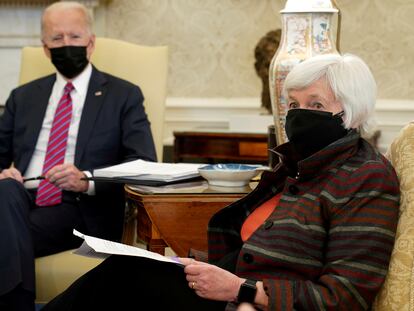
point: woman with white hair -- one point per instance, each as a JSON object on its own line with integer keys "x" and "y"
{"x": 342, "y": 85}
{"x": 315, "y": 234}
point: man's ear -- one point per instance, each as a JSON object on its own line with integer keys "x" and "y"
{"x": 91, "y": 47}
{"x": 46, "y": 50}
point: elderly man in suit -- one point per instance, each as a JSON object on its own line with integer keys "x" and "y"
{"x": 62, "y": 127}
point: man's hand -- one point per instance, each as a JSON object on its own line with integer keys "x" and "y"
{"x": 11, "y": 173}
{"x": 67, "y": 177}
{"x": 211, "y": 282}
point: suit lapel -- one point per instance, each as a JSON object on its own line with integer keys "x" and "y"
{"x": 36, "y": 110}
{"x": 93, "y": 103}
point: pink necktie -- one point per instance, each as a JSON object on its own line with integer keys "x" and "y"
{"x": 47, "y": 193}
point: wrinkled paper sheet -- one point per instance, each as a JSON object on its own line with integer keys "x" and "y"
{"x": 100, "y": 248}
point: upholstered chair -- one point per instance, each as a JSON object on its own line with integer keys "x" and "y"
{"x": 145, "y": 66}
{"x": 397, "y": 293}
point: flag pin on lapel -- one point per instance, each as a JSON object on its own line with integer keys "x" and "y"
{"x": 99, "y": 93}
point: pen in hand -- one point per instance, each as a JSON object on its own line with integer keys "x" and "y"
{"x": 33, "y": 178}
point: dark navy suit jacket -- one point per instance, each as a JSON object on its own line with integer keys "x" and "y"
{"x": 113, "y": 128}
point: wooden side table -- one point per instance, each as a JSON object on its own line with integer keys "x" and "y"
{"x": 213, "y": 146}
{"x": 178, "y": 220}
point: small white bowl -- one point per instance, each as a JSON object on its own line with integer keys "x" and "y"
{"x": 229, "y": 175}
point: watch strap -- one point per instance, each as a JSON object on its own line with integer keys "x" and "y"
{"x": 247, "y": 291}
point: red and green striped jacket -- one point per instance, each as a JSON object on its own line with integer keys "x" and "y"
{"x": 327, "y": 244}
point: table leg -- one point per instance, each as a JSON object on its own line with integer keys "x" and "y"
{"x": 147, "y": 232}
{"x": 157, "y": 246}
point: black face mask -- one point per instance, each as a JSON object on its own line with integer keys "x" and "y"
{"x": 69, "y": 60}
{"x": 311, "y": 130}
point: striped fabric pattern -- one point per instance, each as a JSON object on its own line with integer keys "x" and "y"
{"x": 47, "y": 193}
{"x": 327, "y": 244}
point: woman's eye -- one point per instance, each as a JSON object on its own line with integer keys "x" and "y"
{"x": 317, "y": 105}
{"x": 293, "y": 105}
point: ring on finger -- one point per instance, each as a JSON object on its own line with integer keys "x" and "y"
{"x": 193, "y": 285}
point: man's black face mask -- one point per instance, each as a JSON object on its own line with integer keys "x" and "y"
{"x": 312, "y": 130}
{"x": 69, "y": 60}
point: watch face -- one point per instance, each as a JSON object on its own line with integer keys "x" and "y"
{"x": 247, "y": 291}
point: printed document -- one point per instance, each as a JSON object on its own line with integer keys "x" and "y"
{"x": 100, "y": 248}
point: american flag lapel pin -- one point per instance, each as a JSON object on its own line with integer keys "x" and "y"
{"x": 98, "y": 93}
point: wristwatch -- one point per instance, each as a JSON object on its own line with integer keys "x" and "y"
{"x": 247, "y": 291}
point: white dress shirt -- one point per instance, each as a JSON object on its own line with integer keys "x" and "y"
{"x": 78, "y": 96}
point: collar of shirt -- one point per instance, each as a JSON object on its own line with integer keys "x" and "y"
{"x": 80, "y": 83}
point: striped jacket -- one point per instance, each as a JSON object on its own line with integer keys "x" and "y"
{"x": 327, "y": 244}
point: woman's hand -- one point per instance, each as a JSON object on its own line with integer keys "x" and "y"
{"x": 211, "y": 282}
{"x": 245, "y": 307}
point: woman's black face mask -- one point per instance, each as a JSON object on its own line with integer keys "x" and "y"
{"x": 69, "y": 60}
{"x": 311, "y": 130}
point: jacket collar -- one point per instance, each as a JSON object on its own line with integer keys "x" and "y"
{"x": 97, "y": 90}
{"x": 323, "y": 160}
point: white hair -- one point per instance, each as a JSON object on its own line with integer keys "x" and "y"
{"x": 350, "y": 80}
{"x": 69, "y": 5}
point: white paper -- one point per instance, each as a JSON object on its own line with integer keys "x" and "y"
{"x": 141, "y": 169}
{"x": 100, "y": 248}
{"x": 184, "y": 187}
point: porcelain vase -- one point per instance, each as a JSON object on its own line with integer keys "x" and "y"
{"x": 305, "y": 33}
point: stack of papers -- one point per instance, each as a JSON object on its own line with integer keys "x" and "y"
{"x": 140, "y": 170}
{"x": 183, "y": 187}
